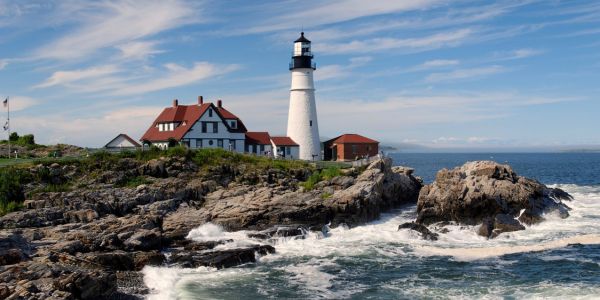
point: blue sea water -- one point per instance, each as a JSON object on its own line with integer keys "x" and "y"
{"x": 557, "y": 259}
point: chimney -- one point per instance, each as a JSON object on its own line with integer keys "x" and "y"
{"x": 200, "y": 100}
{"x": 175, "y": 103}
{"x": 219, "y": 103}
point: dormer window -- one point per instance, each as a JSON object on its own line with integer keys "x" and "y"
{"x": 233, "y": 124}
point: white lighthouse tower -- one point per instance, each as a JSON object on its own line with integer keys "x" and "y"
{"x": 303, "y": 126}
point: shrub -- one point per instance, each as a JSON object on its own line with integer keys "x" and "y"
{"x": 331, "y": 173}
{"x": 135, "y": 181}
{"x": 179, "y": 151}
{"x": 13, "y": 137}
{"x": 11, "y": 189}
{"x": 314, "y": 178}
{"x": 27, "y": 139}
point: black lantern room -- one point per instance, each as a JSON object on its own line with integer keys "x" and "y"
{"x": 302, "y": 56}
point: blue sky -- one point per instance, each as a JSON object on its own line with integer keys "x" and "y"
{"x": 443, "y": 74}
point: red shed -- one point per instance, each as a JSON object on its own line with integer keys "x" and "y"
{"x": 348, "y": 147}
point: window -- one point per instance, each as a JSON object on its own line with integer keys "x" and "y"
{"x": 262, "y": 148}
{"x": 233, "y": 124}
{"x": 203, "y": 127}
{"x": 246, "y": 148}
{"x": 215, "y": 127}
{"x": 220, "y": 143}
{"x": 210, "y": 113}
{"x": 287, "y": 151}
{"x": 210, "y": 142}
{"x": 198, "y": 143}
{"x": 369, "y": 148}
{"x": 310, "y": 123}
{"x": 354, "y": 149}
{"x": 232, "y": 145}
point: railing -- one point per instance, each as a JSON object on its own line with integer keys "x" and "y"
{"x": 365, "y": 161}
{"x": 313, "y": 65}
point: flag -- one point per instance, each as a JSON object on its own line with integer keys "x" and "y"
{"x": 6, "y": 126}
{"x": 5, "y": 102}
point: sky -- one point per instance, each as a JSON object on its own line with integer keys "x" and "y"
{"x": 414, "y": 73}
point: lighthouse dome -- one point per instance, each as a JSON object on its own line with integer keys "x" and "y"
{"x": 302, "y": 39}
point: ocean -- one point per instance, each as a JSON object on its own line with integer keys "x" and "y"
{"x": 557, "y": 259}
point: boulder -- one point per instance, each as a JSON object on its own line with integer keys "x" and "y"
{"x": 219, "y": 259}
{"x": 144, "y": 240}
{"x": 13, "y": 249}
{"x": 420, "y": 228}
{"x": 490, "y": 193}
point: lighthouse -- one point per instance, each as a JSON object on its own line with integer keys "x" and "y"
{"x": 303, "y": 126}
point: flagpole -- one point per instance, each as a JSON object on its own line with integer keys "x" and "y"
{"x": 8, "y": 120}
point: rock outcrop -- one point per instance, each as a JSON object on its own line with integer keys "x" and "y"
{"x": 488, "y": 193}
{"x": 89, "y": 240}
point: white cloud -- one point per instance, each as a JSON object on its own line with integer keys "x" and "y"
{"x": 138, "y": 50}
{"x": 178, "y": 76}
{"x": 103, "y": 80}
{"x": 3, "y": 63}
{"x": 67, "y": 77}
{"x": 18, "y": 103}
{"x": 298, "y": 12}
{"x": 434, "y": 41}
{"x": 89, "y": 131}
{"x": 340, "y": 71}
{"x": 462, "y": 74}
{"x": 439, "y": 63}
{"x": 517, "y": 54}
{"x": 116, "y": 23}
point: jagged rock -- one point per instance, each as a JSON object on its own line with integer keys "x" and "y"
{"x": 144, "y": 239}
{"x": 13, "y": 249}
{"x": 479, "y": 190}
{"x": 219, "y": 259}
{"x": 422, "y": 229}
{"x": 83, "y": 285}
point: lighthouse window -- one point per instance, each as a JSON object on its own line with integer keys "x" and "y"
{"x": 311, "y": 123}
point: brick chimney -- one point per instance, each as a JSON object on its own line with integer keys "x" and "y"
{"x": 200, "y": 100}
{"x": 219, "y": 103}
{"x": 175, "y": 103}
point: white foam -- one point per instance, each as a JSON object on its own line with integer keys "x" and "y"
{"x": 305, "y": 258}
{"x": 466, "y": 254}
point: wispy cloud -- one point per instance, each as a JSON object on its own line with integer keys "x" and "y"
{"x": 3, "y": 63}
{"x": 517, "y": 54}
{"x": 115, "y": 23}
{"x": 434, "y": 41}
{"x": 462, "y": 74}
{"x": 18, "y": 103}
{"x": 59, "y": 128}
{"x": 341, "y": 71}
{"x": 297, "y": 12}
{"x": 176, "y": 76}
{"x": 138, "y": 50}
{"x": 67, "y": 77}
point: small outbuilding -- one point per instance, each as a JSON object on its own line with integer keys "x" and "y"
{"x": 258, "y": 143}
{"x": 285, "y": 147}
{"x": 349, "y": 147}
{"x": 122, "y": 142}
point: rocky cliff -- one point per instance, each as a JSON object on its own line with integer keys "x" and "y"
{"x": 90, "y": 240}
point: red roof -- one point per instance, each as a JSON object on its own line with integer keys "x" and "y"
{"x": 352, "y": 138}
{"x": 258, "y": 138}
{"x": 283, "y": 141}
{"x": 228, "y": 115}
{"x": 186, "y": 114}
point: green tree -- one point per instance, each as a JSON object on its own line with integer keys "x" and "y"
{"x": 13, "y": 137}
{"x": 27, "y": 139}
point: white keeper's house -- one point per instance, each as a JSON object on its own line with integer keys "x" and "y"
{"x": 205, "y": 125}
